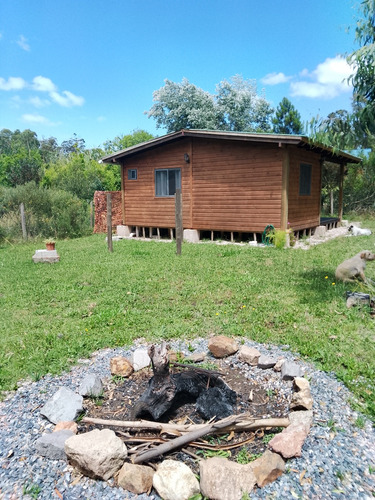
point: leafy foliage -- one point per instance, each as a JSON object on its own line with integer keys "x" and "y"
{"x": 236, "y": 106}
{"x": 126, "y": 141}
{"x": 47, "y": 211}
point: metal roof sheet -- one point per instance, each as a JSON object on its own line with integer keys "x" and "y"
{"x": 328, "y": 153}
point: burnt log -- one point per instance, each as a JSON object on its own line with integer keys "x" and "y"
{"x": 166, "y": 390}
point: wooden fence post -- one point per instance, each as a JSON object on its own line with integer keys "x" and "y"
{"x": 179, "y": 228}
{"x": 23, "y": 221}
{"x": 109, "y": 222}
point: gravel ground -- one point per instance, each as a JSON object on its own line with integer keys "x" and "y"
{"x": 337, "y": 457}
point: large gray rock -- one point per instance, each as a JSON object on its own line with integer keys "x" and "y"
{"x": 52, "y": 445}
{"x": 135, "y": 478}
{"x": 290, "y": 370}
{"x": 225, "y": 480}
{"x": 175, "y": 481}
{"x": 97, "y": 454}
{"x": 64, "y": 405}
{"x": 91, "y": 386}
{"x": 266, "y": 362}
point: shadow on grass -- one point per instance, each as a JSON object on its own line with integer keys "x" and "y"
{"x": 315, "y": 286}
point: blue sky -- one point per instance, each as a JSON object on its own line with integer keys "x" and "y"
{"x": 90, "y": 66}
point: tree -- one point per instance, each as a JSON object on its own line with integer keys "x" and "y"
{"x": 240, "y": 108}
{"x": 20, "y": 168}
{"x": 363, "y": 63}
{"x": 287, "y": 119}
{"x": 236, "y": 106}
{"x": 126, "y": 141}
{"x": 73, "y": 145}
{"x": 182, "y": 105}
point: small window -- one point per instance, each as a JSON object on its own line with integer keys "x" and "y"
{"x": 305, "y": 179}
{"x": 132, "y": 174}
{"x": 167, "y": 180}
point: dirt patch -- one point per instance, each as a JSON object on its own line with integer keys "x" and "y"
{"x": 120, "y": 396}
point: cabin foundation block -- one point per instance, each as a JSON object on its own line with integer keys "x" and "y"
{"x": 123, "y": 231}
{"x": 191, "y": 235}
{"x": 320, "y": 231}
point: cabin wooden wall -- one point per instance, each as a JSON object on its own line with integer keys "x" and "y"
{"x": 236, "y": 185}
{"x": 227, "y": 186}
{"x": 142, "y": 207}
{"x": 304, "y": 211}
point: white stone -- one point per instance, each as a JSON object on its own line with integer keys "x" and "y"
{"x": 191, "y": 235}
{"x": 123, "y": 231}
{"x": 175, "y": 481}
{"x": 140, "y": 359}
{"x": 91, "y": 385}
{"x": 320, "y": 231}
{"x": 97, "y": 454}
{"x": 46, "y": 256}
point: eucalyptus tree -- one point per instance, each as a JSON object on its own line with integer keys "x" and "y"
{"x": 236, "y": 106}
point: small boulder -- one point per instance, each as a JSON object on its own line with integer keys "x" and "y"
{"x": 222, "y": 346}
{"x": 266, "y": 362}
{"x": 279, "y": 364}
{"x": 140, "y": 359}
{"x": 175, "y": 481}
{"x": 136, "y": 478}
{"x": 249, "y": 355}
{"x": 267, "y": 468}
{"x": 97, "y": 454}
{"x": 70, "y": 425}
{"x": 91, "y": 386}
{"x": 222, "y": 479}
{"x": 290, "y": 441}
{"x": 64, "y": 405}
{"x": 290, "y": 370}
{"x": 121, "y": 366}
{"x": 196, "y": 357}
{"x": 52, "y": 445}
{"x": 301, "y": 399}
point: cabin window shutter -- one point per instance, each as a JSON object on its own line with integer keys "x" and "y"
{"x": 305, "y": 179}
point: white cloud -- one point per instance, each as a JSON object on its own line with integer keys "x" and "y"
{"x": 101, "y": 119}
{"x": 67, "y": 99}
{"x": 275, "y": 78}
{"x": 327, "y": 80}
{"x": 23, "y": 43}
{"x": 42, "y": 120}
{"x": 43, "y": 84}
{"x": 37, "y": 102}
{"x": 13, "y": 83}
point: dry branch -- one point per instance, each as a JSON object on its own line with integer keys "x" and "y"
{"x": 243, "y": 422}
{"x": 182, "y": 440}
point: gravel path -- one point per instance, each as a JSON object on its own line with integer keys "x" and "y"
{"x": 338, "y": 458}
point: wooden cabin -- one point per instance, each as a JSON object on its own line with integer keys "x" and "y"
{"x": 231, "y": 182}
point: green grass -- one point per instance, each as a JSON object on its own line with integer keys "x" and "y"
{"x": 52, "y": 314}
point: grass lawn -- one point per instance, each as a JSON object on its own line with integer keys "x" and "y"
{"x": 52, "y": 314}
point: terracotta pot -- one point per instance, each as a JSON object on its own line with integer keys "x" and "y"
{"x": 50, "y": 246}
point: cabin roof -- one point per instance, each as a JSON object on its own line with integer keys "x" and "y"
{"x": 328, "y": 153}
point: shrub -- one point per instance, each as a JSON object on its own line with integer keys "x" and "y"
{"x": 48, "y": 212}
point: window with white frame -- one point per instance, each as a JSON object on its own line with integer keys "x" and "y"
{"x": 305, "y": 179}
{"x": 167, "y": 180}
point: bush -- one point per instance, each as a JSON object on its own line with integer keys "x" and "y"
{"x": 48, "y": 212}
